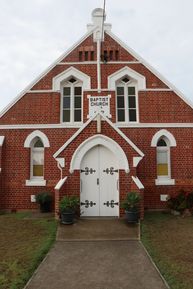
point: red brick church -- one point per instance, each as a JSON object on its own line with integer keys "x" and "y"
{"x": 98, "y": 123}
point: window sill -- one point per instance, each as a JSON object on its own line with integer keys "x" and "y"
{"x": 126, "y": 124}
{"x": 35, "y": 183}
{"x": 72, "y": 124}
{"x": 165, "y": 182}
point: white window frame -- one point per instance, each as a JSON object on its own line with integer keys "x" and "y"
{"x": 33, "y": 150}
{"x": 29, "y": 143}
{"x": 72, "y": 87}
{"x": 36, "y": 180}
{"x": 130, "y": 83}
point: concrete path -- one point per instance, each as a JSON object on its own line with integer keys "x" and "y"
{"x": 97, "y": 265}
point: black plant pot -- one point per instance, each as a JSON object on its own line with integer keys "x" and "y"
{"x": 67, "y": 218}
{"x": 45, "y": 207}
{"x": 132, "y": 216}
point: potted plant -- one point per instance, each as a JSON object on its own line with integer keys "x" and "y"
{"x": 131, "y": 205}
{"x": 44, "y": 199}
{"x": 68, "y": 206}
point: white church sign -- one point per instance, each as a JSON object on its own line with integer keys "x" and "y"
{"x": 99, "y": 104}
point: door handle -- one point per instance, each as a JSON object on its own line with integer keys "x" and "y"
{"x": 97, "y": 181}
{"x": 117, "y": 185}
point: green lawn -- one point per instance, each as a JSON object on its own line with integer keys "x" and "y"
{"x": 23, "y": 244}
{"x": 169, "y": 240}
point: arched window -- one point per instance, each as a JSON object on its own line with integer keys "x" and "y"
{"x": 36, "y": 142}
{"x": 37, "y": 159}
{"x": 71, "y": 92}
{"x": 163, "y": 162}
{"x": 126, "y": 100}
{"x": 163, "y": 158}
{"x": 163, "y": 140}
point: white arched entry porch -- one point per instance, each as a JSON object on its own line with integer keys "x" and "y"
{"x": 99, "y": 159}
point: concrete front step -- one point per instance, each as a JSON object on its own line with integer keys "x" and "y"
{"x": 96, "y": 229}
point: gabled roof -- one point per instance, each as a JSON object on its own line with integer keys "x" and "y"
{"x": 153, "y": 70}
{"x": 110, "y": 123}
{"x": 23, "y": 92}
{"x": 120, "y": 42}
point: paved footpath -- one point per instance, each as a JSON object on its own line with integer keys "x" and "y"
{"x": 97, "y": 265}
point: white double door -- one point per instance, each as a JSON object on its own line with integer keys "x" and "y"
{"x": 99, "y": 183}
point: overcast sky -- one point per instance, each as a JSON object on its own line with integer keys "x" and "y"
{"x": 35, "y": 33}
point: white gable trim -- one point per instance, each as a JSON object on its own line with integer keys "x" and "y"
{"x": 99, "y": 140}
{"x": 36, "y": 133}
{"x": 111, "y": 124}
{"x": 65, "y": 75}
{"x": 60, "y": 183}
{"x": 2, "y": 138}
{"x": 136, "y": 161}
{"x": 166, "y": 133}
{"x": 73, "y": 137}
{"x": 20, "y": 95}
{"x": 153, "y": 70}
{"x": 124, "y": 136}
{"x": 126, "y": 71}
{"x": 138, "y": 183}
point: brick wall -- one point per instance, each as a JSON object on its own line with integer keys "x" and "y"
{"x": 14, "y": 193}
{"x": 154, "y": 106}
{"x": 44, "y": 108}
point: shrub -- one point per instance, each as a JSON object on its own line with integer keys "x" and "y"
{"x": 181, "y": 201}
{"x": 68, "y": 204}
{"x": 131, "y": 202}
{"x": 44, "y": 199}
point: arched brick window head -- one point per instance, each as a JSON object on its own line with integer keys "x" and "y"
{"x": 163, "y": 140}
{"x": 37, "y": 141}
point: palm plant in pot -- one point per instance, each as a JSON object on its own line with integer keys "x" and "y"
{"x": 132, "y": 207}
{"x": 68, "y": 206}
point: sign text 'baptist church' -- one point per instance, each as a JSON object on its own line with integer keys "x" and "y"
{"x": 99, "y": 104}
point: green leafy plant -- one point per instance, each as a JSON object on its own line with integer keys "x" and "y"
{"x": 177, "y": 201}
{"x": 181, "y": 201}
{"x": 131, "y": 202}
{"x": 44, "y": 199}
{"x": 69, "y": 204}
{"x": 189, "y": 201}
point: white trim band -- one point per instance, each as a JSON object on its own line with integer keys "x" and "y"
{"x": 138, "y": 183}
{"x": 2, "y": 138}
{"x": 60, "y": 183}
{"x": 118, "y": 125}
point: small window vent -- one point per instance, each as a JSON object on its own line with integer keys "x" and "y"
{"x": 125, "y": 79}
{"x": 72, "y": 80}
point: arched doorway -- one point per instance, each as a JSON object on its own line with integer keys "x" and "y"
{"x": 99, "y": 182}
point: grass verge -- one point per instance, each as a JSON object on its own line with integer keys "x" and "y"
{"x": 168, "y": 240}
{"x": 24, "y": 243}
